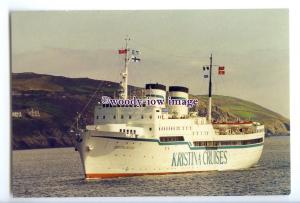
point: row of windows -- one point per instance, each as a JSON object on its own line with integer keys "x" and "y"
{"x": 225, "y": 143}
{"x": 128, "y": 131}
{"x": 122, "y": 117}
{"x": 245, "y": 142}
{"x": 175, "y": 128}
{"x": 200, "y": 133}
{"x": 171, "y": 138}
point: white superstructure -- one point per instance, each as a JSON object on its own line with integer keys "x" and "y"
{"x": 163, "y": 139}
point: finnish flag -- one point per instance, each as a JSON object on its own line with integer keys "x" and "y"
{"x": 135, "y": 59}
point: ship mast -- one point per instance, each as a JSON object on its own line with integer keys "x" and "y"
{"x": 124, "y": 82}
{"x": 210, "y": 90}
{"x": 220, "y": 72}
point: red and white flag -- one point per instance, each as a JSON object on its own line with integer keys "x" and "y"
{"x": 221, "y": 70}
{"x": 122, "y": 51}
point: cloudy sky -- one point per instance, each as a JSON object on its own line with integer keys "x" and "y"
{"x": 174, "y": 45}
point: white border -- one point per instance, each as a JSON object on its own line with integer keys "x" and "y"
{"x": 6, "y": 6}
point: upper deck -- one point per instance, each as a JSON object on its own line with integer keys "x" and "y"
{"x": 151, "y": 121}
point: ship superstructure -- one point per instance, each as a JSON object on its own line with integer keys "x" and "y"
{"x": 130, "y": 140}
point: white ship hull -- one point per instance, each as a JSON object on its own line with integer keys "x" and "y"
{"x": 107, "y": 155}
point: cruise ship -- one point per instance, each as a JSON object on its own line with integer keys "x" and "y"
{"x": 133, "y": 140}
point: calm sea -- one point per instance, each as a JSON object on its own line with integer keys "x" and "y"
{"x": 58, "y": 173}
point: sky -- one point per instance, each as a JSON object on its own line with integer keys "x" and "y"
{"x": 253, "y": 45}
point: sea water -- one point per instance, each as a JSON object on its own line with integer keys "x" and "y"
{"x": 58, "y": 173}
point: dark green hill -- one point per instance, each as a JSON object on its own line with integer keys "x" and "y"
{"x": 58, "y": 99}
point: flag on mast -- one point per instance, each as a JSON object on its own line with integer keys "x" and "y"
{"x": 206, "y": 71}
{"x": 135, "y": 59}
{"x": 221, "y": 70}
{"x": 135, "y": 52}
{"x": 122, "y": 51}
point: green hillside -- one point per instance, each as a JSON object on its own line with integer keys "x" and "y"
{"x": 236, "y": 108}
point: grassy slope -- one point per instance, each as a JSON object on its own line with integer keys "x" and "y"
{"x": 244, "y": 109}
{"x": 275, "y": 123}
